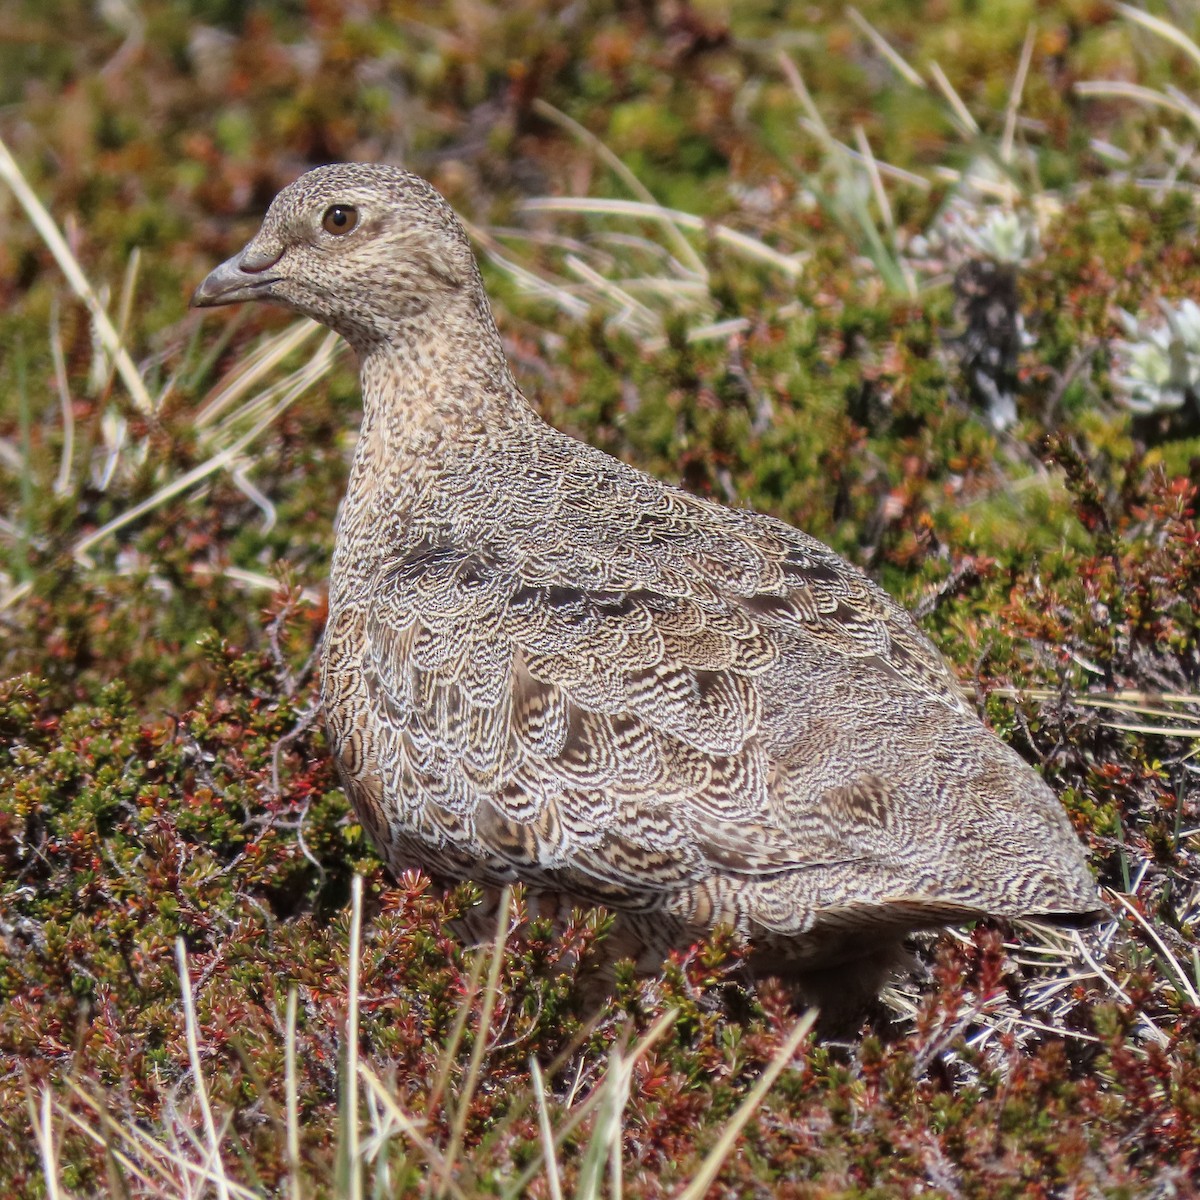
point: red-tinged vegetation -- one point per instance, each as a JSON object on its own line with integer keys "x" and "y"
{"x": 163, "y": 775}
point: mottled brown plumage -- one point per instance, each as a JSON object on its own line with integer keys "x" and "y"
{"x": 543, "y": 665}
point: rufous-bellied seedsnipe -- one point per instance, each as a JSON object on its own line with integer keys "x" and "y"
{"x": 543, "y": 665}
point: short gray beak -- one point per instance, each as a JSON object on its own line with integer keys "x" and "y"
{"x": 245, "y": 276}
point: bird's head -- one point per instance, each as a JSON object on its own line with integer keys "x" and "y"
{"x": 367, "y": 250}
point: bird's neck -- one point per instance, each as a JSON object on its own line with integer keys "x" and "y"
{"x": 437, "y": 404}
{"x": 441, "y": 377}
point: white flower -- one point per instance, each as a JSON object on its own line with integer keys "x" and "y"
{"x": 1156, "y": 367}
{"x": 1003, "y": 235}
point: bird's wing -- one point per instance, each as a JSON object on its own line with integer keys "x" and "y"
{"x": 562, "y": 727}
{"x": 781, "y": 578}
{"x": 813, "y": 592}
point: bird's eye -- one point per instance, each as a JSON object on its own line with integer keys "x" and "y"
{"x": 339, "y": 219}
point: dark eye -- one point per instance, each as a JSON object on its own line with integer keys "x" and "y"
{"x": 339, "y": 219}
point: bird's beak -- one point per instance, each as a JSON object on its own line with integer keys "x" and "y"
{"x": 245, "y": 276}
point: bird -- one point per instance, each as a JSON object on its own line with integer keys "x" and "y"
{"x": 544, "y": 666}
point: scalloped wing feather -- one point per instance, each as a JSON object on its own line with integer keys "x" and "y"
{"x": 554, "y": 698}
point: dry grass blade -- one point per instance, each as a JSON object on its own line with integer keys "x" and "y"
{"x": 716, "y": 1157}
{"x": 604, "y": 1147}
{"x": 44, "y": 223}
{"x": 553, "y": 1180}
{"x": 1164, "y": 29}
{"x": 883, "y": 46}
{"x": 847, "y": 201}
{"x": 517, "y": 1187}
{"x": 1161, "y": 705}
{"x": 867, "y": 158}
{"x": 967, "y": 123}
{"x": 292, "y": 1102}
{"x": 124, "y": 313}
{"x": 718, "y": 329}
{"x": 678, "y": 281}
{"x": 1014, "y": 97}
{"x": 1128, "y": 699}
{"x": 1147, "y": 1025}
{"x": 192, "y": 1031}
{"x": 535, "y": 284}
{"x": 43, "y": 1129}
{"x": 150, "y": 1155}
{"x": 631, "y": 311}
{"x": 816, "y": 123}
{"x": 308, "y": 373}
{"x": 62, "y": 481}
{"x": 1169, "y": 959}
{"x": 791, "y": 265}
{"x": 606, "y": 1133}
{"x": 225, "y": 458}
{"x": 258, "y": 364}
{"x": 683, "y": 248}
{"x": 1051, "y": 974}
{"x": 1142, "y": 95}
{"x": 1150, "y": 704}
{"x": 479, "y": 1048}
{"x": 877, "y": 188}
{"x": 349, "y": 1142}
{"x": 157, "y": 1158}
{"x": 161, "y": 1170}
{"x": 450, "y": 1054}
{"x": 997, "y": 189}
{"x": 672, "y": 289}
{"x": 1181, "y": 731}
{"x": 408, "y": 1126}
